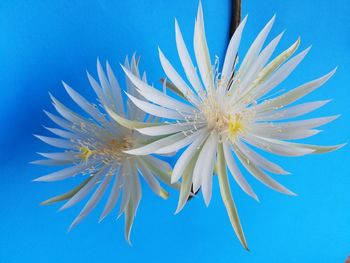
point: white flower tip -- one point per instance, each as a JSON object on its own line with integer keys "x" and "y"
{"x": 127, "y": 71}
{"x": 128, "y": 240}
{"x": 161, "y": 55}
{"x": 173, "y": 180}
{"x": 307, "y": 49}
{"x": 337, "y": 147}
{"x": 88, "y": 74}
{"x": 98, "y": 62}
{"x": 102, "y": 217}
{"x": 176, "y": 25}
{"x": 178, "y": 210}
{"x": 64, "y": 84}
{"x": 273, "y": 18}
{"x": 292, "y": 193}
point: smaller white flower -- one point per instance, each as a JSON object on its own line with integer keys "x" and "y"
{"x": 94, "y": 148}
{"x": 227, "y": 114}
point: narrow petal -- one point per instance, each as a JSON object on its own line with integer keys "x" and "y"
{"x": 115, "y": 90}
{"x": 187, "y": 62}
{"x": 59, "y": 143}
{"x": 114, "y": 194}
{"x": 260, "y": 160}
{"x": 236, "y": 173}
{"x": 186, "y": 156}
{"x": 201, "y": 51}
{"x": 186, "y": 183}
{"x": 62, "y": 133}
{"x": 228, "y": 199}
{"x": 93, "y": 201}
{"x": 85, "y": 190}
{"x": 232, "y": 50}
{"x": 176, "y": 146}
{"x": 203, "y": 170}
{"x": 156, "y": 110}
{"x": 276, "y": 146}
{"x": 67, "y": 195}
{"x": 177, "y": 80}
{"x": 281, "y": 74}
{"x": 84, "y": 104}
{"x": 64, "y": 173}
{"x": 255, "y": 48}
{"x": 291, "y": 112}
{"x": 293, "y": 95}
{"x": 170, "y": 128}
{"x": 157, "y": 96}
{"x": 154, "y": 146}
{"x": 260, "y": 175}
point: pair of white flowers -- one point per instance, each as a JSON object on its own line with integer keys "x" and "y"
{"x": 218, "y": 118}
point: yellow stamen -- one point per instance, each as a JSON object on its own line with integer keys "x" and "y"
{"x": 85, "y": 153}
{"x": 235, "y": 125}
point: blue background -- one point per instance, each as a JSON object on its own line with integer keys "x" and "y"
{"x": 43, "y": 42}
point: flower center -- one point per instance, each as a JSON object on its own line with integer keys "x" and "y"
{"x": 112, "y": 151}
{"x": 224, "y": 120}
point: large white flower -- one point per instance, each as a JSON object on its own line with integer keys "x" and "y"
{"x": 221, "y": 115}
{"x": 94, "y": 148}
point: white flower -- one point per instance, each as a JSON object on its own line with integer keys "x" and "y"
{"x": 221, "y": 115}
{"x": 94, "y": 148}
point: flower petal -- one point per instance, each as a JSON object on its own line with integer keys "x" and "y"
{"x": 236, "y": 173}
{"x": 228, "y": 199}
{"x": 187, "y": 156}
{"x": 260, "y": 175}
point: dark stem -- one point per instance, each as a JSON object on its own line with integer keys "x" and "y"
{"x": 236, "y": 9}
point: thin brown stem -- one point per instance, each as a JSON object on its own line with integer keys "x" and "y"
{"x": 236, "y": 9}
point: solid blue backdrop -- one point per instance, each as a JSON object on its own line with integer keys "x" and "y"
{"x": 44, "y": 42}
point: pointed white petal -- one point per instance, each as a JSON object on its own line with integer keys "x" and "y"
{"x": 114, "y": 195}
{"x": 156, "y": 110}
{"x": 177, "y": 80}
{"x": 281, "y": 74}
{"x": 255, "y": 48}
{"x": 187, "y": 156}
{"x": 150, "y": 179}
{"x": 157, "y": 96}
{"x": 85, "y": 190}
{"x": 63, "y": 174}
{"x": 186, "y": 184}
{"x": 260, "y": 175}
{"x": 187, "y": 62}
{"x": 169, "y": 128}
{"x": 93, "y": 201}
{"x": 176, "y": 146}
{"x": 203, "y": 170}
{"x": 59, "y": 143}
{"x": 154, "y": 146}
{"x": 232, "y": 50}
{"x": 59, "y": 121}
{"x": 84, "y": 104}
{"x": 236, "y": 173}
{"x": 291, "y": 112}
{"x": 276, "y": 146}
{"x": 63, "y": 156}
{"x": 115, "y": 90}
{"x": 228, "y": 199}
{"x": 62, "y": 133}
{"x": 201, "y": 51}
{"x": 293, "y": 95}
{"x": 260, "y": 160}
